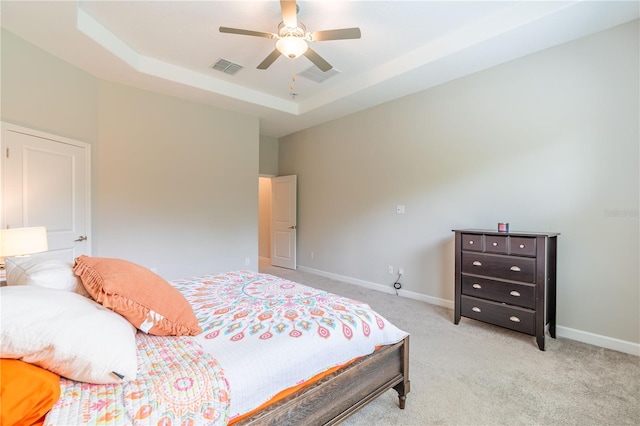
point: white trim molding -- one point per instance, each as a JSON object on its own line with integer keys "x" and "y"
{"x": 565, "y": 332}
{"x": 599, "y": 340}
{"x": 380, "y": 287}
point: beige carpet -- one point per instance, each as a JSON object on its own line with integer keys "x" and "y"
{"x": 477, "y": 374}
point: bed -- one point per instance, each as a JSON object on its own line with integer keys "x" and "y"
{"x": 268, "y": 351}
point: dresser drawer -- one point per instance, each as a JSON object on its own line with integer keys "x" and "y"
{"x": 495, "y": 244}
{"x": 512, "y": 317}
{"x": 506, "y": 267}
{"x": 472, "y": 242}
{"x": 523, "y": 246}
{"x": 523, "y": 295}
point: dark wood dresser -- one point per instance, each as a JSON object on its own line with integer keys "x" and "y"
{"x": 507, "y": 279}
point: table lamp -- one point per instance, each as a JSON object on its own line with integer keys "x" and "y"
{"x": 22, "y": 242}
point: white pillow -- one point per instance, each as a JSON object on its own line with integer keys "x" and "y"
{"x": 54, "y": 274}
{"x": 66, "y": 333}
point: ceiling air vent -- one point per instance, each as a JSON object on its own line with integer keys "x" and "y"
{"x": 316, "y": 74}
{"x": 227, "y": 67}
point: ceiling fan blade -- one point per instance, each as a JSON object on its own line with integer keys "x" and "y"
{"x": 246, "y": 32}
{"x": 289, "y": 12}
{"x": 269, "y": 60}
{"x": 317, "y": 60}
{"x": 342, "y": 34}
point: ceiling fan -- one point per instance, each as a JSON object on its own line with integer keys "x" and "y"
{"x": 293, "y": 37}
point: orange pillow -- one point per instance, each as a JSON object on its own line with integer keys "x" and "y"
{"x": 28, "y": 392}
{"x": 145, "y": 299}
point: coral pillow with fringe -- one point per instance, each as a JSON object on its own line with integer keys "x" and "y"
{"x": 144, "y": 298}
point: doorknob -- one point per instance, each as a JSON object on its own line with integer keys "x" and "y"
{"x": 292, "y": 227}
{"x": 81, "y": 238}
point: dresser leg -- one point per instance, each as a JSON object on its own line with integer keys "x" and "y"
{"x": 540, "y": 339}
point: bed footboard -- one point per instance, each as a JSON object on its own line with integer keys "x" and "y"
{"x": 339, "y": 395}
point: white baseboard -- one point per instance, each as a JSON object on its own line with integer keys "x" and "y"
{"x": 599, "y": 340}
{"x": 566, "y": 332}
{"x": 380, "y": 287}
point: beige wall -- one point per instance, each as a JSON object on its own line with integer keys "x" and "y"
{"x": 268, "y": 156}
{"x": 182, "y": 175}
{"x": 548, "y": 142}
{"x": 41, "y": 92}
{"x": 175, "y": 183}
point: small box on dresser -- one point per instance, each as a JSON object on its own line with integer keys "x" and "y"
{"x": 507, "y": 279}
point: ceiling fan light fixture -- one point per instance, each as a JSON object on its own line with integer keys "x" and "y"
{"x": 292, "y": 46}
{"x": 292, "y": 38}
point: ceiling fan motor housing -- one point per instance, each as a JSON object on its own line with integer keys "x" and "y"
{"x": 299, "y": 31}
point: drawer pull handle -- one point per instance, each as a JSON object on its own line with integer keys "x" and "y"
{"x": 514, "y": 319}
{"x": 515, "y": 269}
{"x": 476, "y": 286}
{"x": 477, "y": 263}
{"x": 471, "y": 242}
{"x": 495, "y": 244}
{"x": 521, "y": 245}
{"x": 515, "y": 293}
{"x": 476, "y": 309}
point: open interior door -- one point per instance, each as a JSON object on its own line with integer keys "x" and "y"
{"x": 283, "y": 221}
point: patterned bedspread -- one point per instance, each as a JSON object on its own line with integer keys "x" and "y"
{"x": 177, "y": 384}
{"x": 261, "y": 335}
{"x": 270, "y": 334}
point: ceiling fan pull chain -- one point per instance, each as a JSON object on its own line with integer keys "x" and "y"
{"x": 293, "y": 76}
{"x": 292, "y": 93}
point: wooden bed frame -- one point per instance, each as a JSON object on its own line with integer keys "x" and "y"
{"x": 339, "y": 395}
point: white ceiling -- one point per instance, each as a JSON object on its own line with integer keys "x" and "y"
{"x": 406, "y": 47}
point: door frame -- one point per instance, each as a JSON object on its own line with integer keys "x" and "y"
{"x": 261, "y": 212}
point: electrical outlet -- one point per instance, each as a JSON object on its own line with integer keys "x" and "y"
{"x": 401, "y": 271}
{"x": 390, "y": 269}
{"x": 247, "y": 261}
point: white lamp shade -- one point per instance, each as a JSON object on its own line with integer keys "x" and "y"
{"x": 22, "y": 241}
{"x": 291, "y": 46}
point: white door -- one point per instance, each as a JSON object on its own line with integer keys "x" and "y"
{"x": 283, "y": 221}
{"x": 46, "y": 182}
